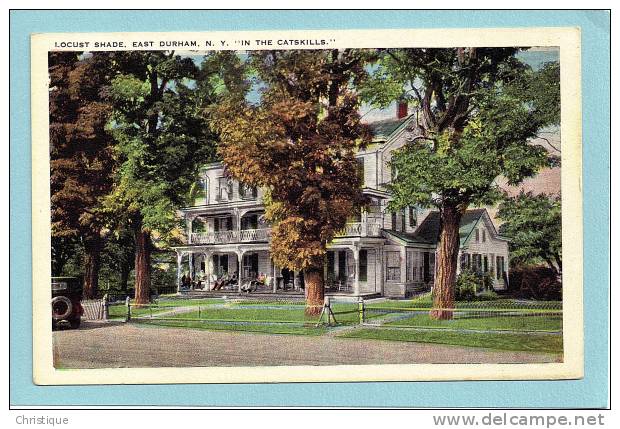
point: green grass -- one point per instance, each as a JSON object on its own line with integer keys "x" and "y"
{"x": 119, "y": 310}
{"x": 262, "y": 317}
{"x": 516, "y": 323}
{"x": 542, "y": 343}
{"x": 426, "y": 301}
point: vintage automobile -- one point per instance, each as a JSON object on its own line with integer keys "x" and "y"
{"x": 66, "y": 307}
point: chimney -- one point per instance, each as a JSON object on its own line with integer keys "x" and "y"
{"x": 402, "y": 109}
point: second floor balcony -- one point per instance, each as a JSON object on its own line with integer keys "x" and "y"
{"x": 360, "y": 229}
{"x": 352, "y": 229}
{"x": 231, "y": 236}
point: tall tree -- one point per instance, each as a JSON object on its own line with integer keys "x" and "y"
{"x": 477, "y": 111}
{"x": 81, "y": 161}
{"x": 299, "y": 144}
{"x": 534, "y": 225}
{"x": 162, "y": 138}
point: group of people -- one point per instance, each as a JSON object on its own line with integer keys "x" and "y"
{"x": 226, "y": 281}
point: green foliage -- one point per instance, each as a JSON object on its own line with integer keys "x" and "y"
{"x": 162, "y": 137}
{"x": 467, "y": 284}
{"x": 298, "y": 143}
{"x": 471, "y": 286}
{"x": 534, "y": 225}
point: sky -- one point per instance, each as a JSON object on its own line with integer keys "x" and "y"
{"x": 535, "y": 57}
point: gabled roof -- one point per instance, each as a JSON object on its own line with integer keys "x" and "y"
{"x": 382, "y": 130}
{"x": 428, "y": 231}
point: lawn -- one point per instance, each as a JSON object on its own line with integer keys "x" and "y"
{"x": 119, "y": 310}
{"x": 542, "y": 343}
{"x": 504, "y": 322}
{"x": 287, "y": 317}
{"x": 426, "y": 301}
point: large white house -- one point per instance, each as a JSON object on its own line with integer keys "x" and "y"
{"x": 377, "y": 253}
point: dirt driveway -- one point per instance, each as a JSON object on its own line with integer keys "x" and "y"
{"x": 112, "y": 345}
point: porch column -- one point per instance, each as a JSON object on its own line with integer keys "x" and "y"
{"x": 364, "y": 228}
{"x": 239, "y": 268}
{"x": 356, "y": 281}
{"x": 191, "y": 265}
{"x": 207, "y": 256}
{"x": 179, "y": 260}
{"x": 379, "y": 268}
{"x": 238, "y": 220}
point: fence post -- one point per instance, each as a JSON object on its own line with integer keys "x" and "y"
{"x": 128, "y": 304}
{"x": 106, "y": 309}
{"x": 361, "y": 309}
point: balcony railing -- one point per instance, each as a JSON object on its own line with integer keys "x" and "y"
{"x": 359, "y": 229}
{"x": 255, "y": 234}
{"x": 234, "y": 236}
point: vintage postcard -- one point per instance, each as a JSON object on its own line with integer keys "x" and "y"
{"x": 307, "y": 206}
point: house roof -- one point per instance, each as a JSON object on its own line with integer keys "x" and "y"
{"x": 382, "y": 130}
{"x": 428, "y": 231}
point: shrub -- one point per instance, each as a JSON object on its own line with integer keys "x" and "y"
{"x": 467, "y": 284}
{"x": 486, "y": 295}
{"x": 535, "y": 282}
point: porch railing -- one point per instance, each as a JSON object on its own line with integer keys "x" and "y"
{"x": 255, "y": 234}
{"x": 234, "y": 236}
{"x": 359, "y": 229}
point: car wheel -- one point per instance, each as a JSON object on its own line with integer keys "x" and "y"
{"x": 61, "y": 308}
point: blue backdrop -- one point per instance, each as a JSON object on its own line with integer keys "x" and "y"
{"x": 590, "y": 392}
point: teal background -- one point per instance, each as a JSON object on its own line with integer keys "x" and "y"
{"x": 590, "y": 392}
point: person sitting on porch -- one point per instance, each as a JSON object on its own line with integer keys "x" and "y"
{"x": 261, "y": 278}
{"x": 217, "y": 285}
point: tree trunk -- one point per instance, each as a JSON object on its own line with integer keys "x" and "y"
{"x": 143, "y": 267}
{"x": 315, "y": 291}
{"x": 447, "y": 260}
{"x": 92, "y": 252}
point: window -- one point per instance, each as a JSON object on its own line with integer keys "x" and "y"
{"x": 342, "y": 265}
{"x": 477, "y": 236}
{"x": 223, "y": 224}
{"x": 465, "y": 262}
{"x": 410, "y": 266}
{"x": 363, "y": 275}
{"x": 200, "y": 191}
{"x": 360, "y": 170}
{"x": 249, "y": 222}
{"x": 402, "y": 221}
{"x": 413, "y": 217}
{"x": 247, "y": 192}
{"x": 484, "y": 236}
{"x": 477, "y": 262}
{"x": 485, "y": 264}
{"x": 250, "y": 265}
{"x": 392, "y": 261}
{"x": 220, "y": 265}
{"x": 429, "y": 266}
{"x": 500, "y": 267}
{"x": 225, "y": 189}
{"x": 394, "y": 221}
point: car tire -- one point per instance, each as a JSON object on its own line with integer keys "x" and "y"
{"x": 61, "y": 308}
